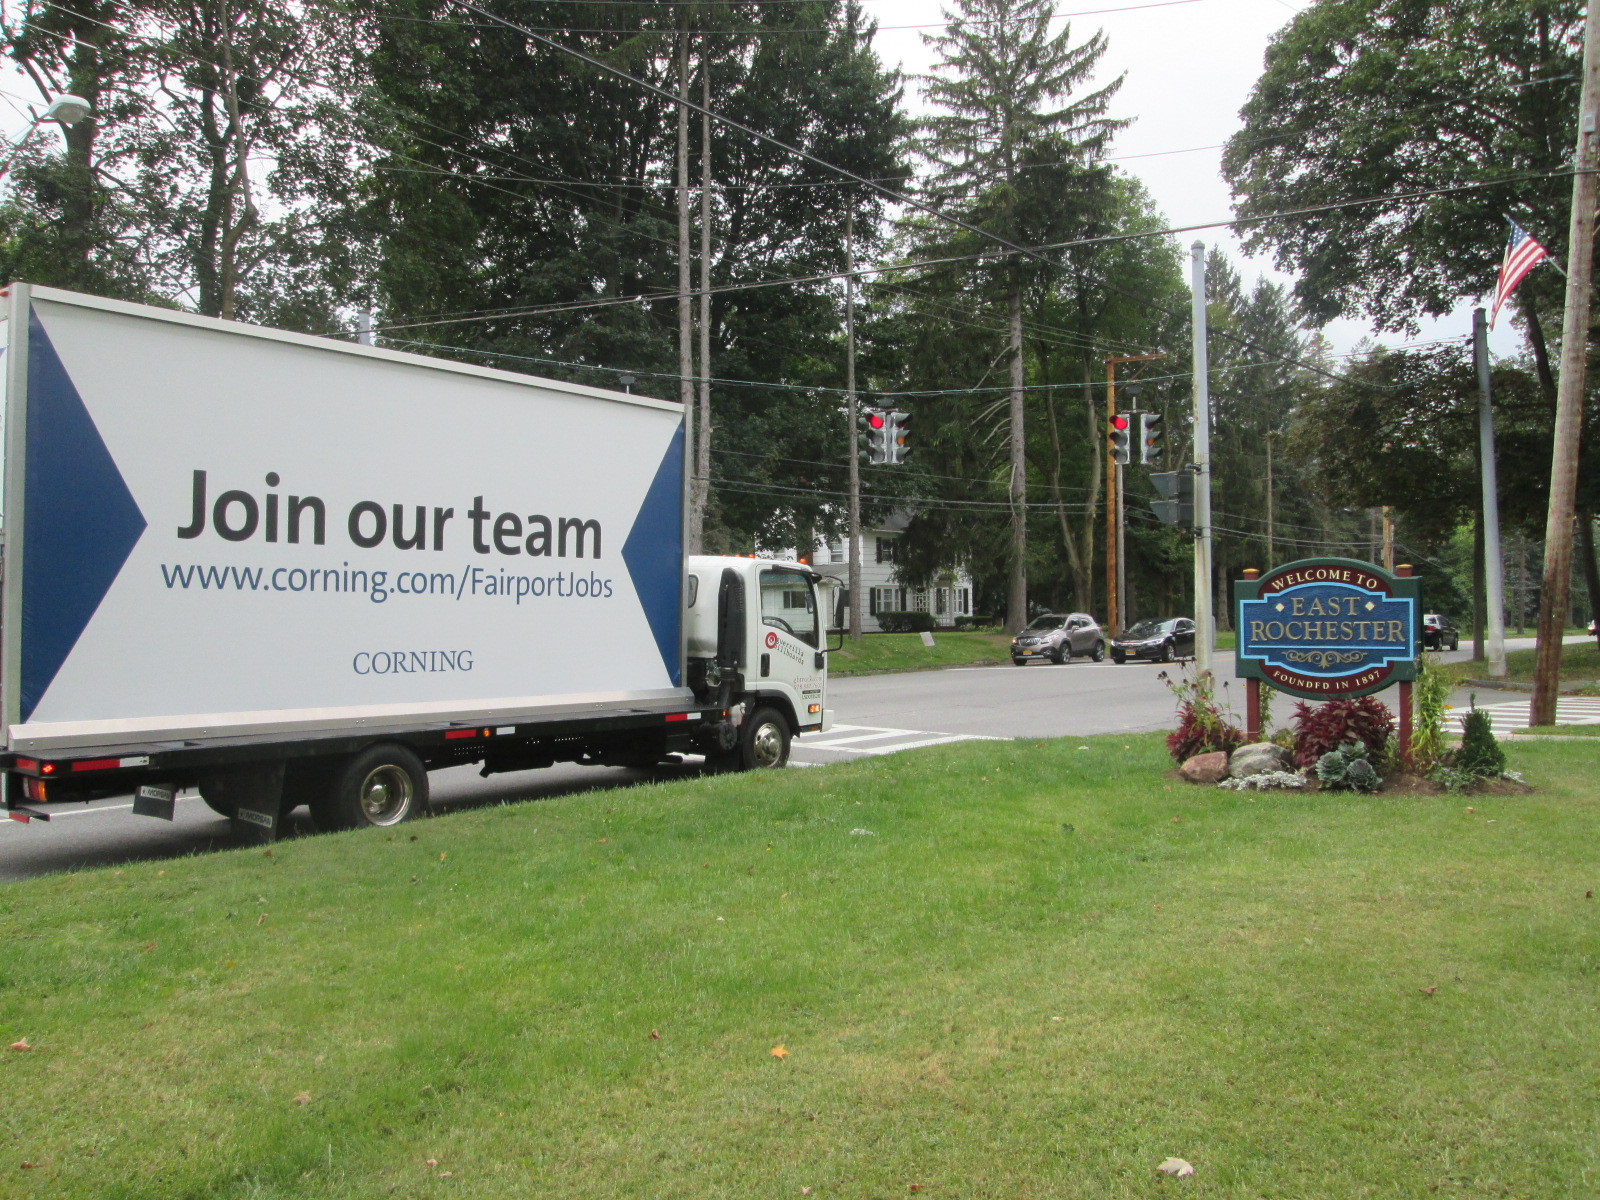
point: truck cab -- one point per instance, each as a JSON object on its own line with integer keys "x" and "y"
{"x": 757, "y": 647}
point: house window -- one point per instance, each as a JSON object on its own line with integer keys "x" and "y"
{"x": 964, "y": 601}
{"x": 941, "y": 601}
{"x": 919, "y": 601}
{"x": 836, "y": 552}
{"x": 885, "y": 549}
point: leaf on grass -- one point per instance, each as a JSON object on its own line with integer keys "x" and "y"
{"x": 655, "y": 1035}
{"x": 147, "y": 946}
{"x": 1176, "y": 1167}
{"x": 805, "y": 1191}
{"x": 22, "y": 1045}
{"x": 779, "y": 1052}
{"x": 432, "y": 1162}
{"x": 443, "y": 854}
{"x": 261, "y": 919}
{"x": 303, "y": 1099}
{"x": 1428, "y": 991}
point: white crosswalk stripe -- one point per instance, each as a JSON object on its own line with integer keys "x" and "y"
{"x": 878, "y": 739}
{"x": 1513, "y": 714}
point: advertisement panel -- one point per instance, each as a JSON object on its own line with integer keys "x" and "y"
{"x": 211, "y": 526}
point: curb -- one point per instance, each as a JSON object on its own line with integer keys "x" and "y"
{"x": 1506, "y": 685}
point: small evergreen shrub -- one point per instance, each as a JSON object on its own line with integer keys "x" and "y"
{"x": 1348, "y": 769}
{"x": 1364, "y": 721}
{"x": 906, "y": 622}
{"x": 1203, "y": 727}
{"x": 1480, "y": 756}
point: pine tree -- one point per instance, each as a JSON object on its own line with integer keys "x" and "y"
{"x": 1006, "y": 85}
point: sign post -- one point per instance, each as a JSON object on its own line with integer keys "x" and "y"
{"x": 1328, "y": 628}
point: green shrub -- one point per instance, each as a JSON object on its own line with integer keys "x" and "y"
{"x": 1364, "y": 720}
{"x": 976, "y": 622}
{"x": 1480, "y": 756}
{"x": 1429, "y": 697}
{"x": 906, "y": 622}
{"x": 1203, "y": 726}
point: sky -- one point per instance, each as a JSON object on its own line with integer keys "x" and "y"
{"x": 1188, "y": 68}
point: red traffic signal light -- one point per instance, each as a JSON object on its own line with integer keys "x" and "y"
{"x": 1120, "y": 439}
{"x": 1119, "y": 422}
{"x": 874, "y": 419}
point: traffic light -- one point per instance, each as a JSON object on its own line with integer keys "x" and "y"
{"x": 1120, "y": 436}
{"x": 899, "y": 435}
{"x": 1151, "y": 437}
{"x": 1177, "y": 505}
{"x": 874, "y": 436}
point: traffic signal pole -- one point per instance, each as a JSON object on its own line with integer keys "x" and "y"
{"x": 1116, "y": 570}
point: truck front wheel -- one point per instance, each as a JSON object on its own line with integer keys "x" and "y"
{"x": 764, "y": 740}
{"x": 383, "y": 785}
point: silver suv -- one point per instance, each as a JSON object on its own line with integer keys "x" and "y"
{"x": 1057, "y": 637}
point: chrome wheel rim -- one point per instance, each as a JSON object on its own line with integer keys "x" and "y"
{"x": 766, "y": 746}
{"x": 386, "y": 795}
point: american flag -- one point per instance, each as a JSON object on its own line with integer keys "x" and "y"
{"x": 1523, "y": 254}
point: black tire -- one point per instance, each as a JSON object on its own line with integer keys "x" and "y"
{"x": 1166, "y": 652}
{"x": 383, "y": 785}
{"x": 223, "y": 808}
{"x": 764, "y": 740}
{"x": 1455, "y": 642}
{"x": 1099, "y": 654}
{"x": 1061, "y": 655}
{"x": 1119, "y": 659}
{"x": 1019, "y": 662}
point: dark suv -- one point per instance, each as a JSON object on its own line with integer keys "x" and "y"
{"x": 1436, "y": 632}
{"x": 1057, "y": 637}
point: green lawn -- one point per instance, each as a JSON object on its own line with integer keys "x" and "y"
{"x": 905, "y": 651}
{"x": 1566, "y": 730}
{"x": 1578, "y": 662}
{"x": 1008, "y": 970}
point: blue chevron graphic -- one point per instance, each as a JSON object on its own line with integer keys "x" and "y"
{"x": 80, "y": 520}
{"x": 654, "y": 555}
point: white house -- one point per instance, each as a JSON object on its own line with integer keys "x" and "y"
{"x": 949, "y": 597}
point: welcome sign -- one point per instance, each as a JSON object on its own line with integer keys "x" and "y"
{"x": 1326, "y": 627}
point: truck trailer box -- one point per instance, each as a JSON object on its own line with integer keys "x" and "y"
{"x": 220, "y": 531}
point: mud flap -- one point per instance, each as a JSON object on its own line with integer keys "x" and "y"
{"x": 256, "y": 794}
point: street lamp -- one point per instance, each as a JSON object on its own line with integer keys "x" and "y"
{"x": 68, "y": 110}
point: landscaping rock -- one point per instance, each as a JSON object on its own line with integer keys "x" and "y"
{"x": 1258, "y": 759}
{"x": 1206, "y": 768}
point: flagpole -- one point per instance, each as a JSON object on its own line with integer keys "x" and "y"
{"x": 1494, "y": 569}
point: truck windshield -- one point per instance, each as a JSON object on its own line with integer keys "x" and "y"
{"x": 787, "y": 603}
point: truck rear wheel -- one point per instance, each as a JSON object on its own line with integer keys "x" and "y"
{"x": 383, "y": 785}
{"x": 764, "y": 740}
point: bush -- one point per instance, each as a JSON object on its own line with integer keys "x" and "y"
{"x": 906, "y": 622}
{"x": 1429, "y": 696}
{"x": 977, "y": 622}
{"x": 1480, "y": 756}
{"x": 1202, "y": 726}
{"x": 1364, "y": 721}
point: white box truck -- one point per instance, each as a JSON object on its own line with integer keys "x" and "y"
{"x": 287, "y": 570}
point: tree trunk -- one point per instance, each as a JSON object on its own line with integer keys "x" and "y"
{"x": 1591, "y": 572}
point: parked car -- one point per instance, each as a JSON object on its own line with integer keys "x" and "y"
{"x": 1057, "y": 637}
{"x": 1163, "y": 641}
{"x": 1436, "y": 631}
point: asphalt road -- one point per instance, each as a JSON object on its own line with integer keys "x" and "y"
{"x": 873, "y": 715}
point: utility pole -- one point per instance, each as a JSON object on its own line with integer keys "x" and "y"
{"x": 1569, "y": 396}
{"x": 1494, "y": 570}
{"x": 685, "y": 306}
{"x": 702, "y": 441}
{"x": 851, "y": 414}
{"x": 1205, "y": 627}
{"x": 1388, "y": 540}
